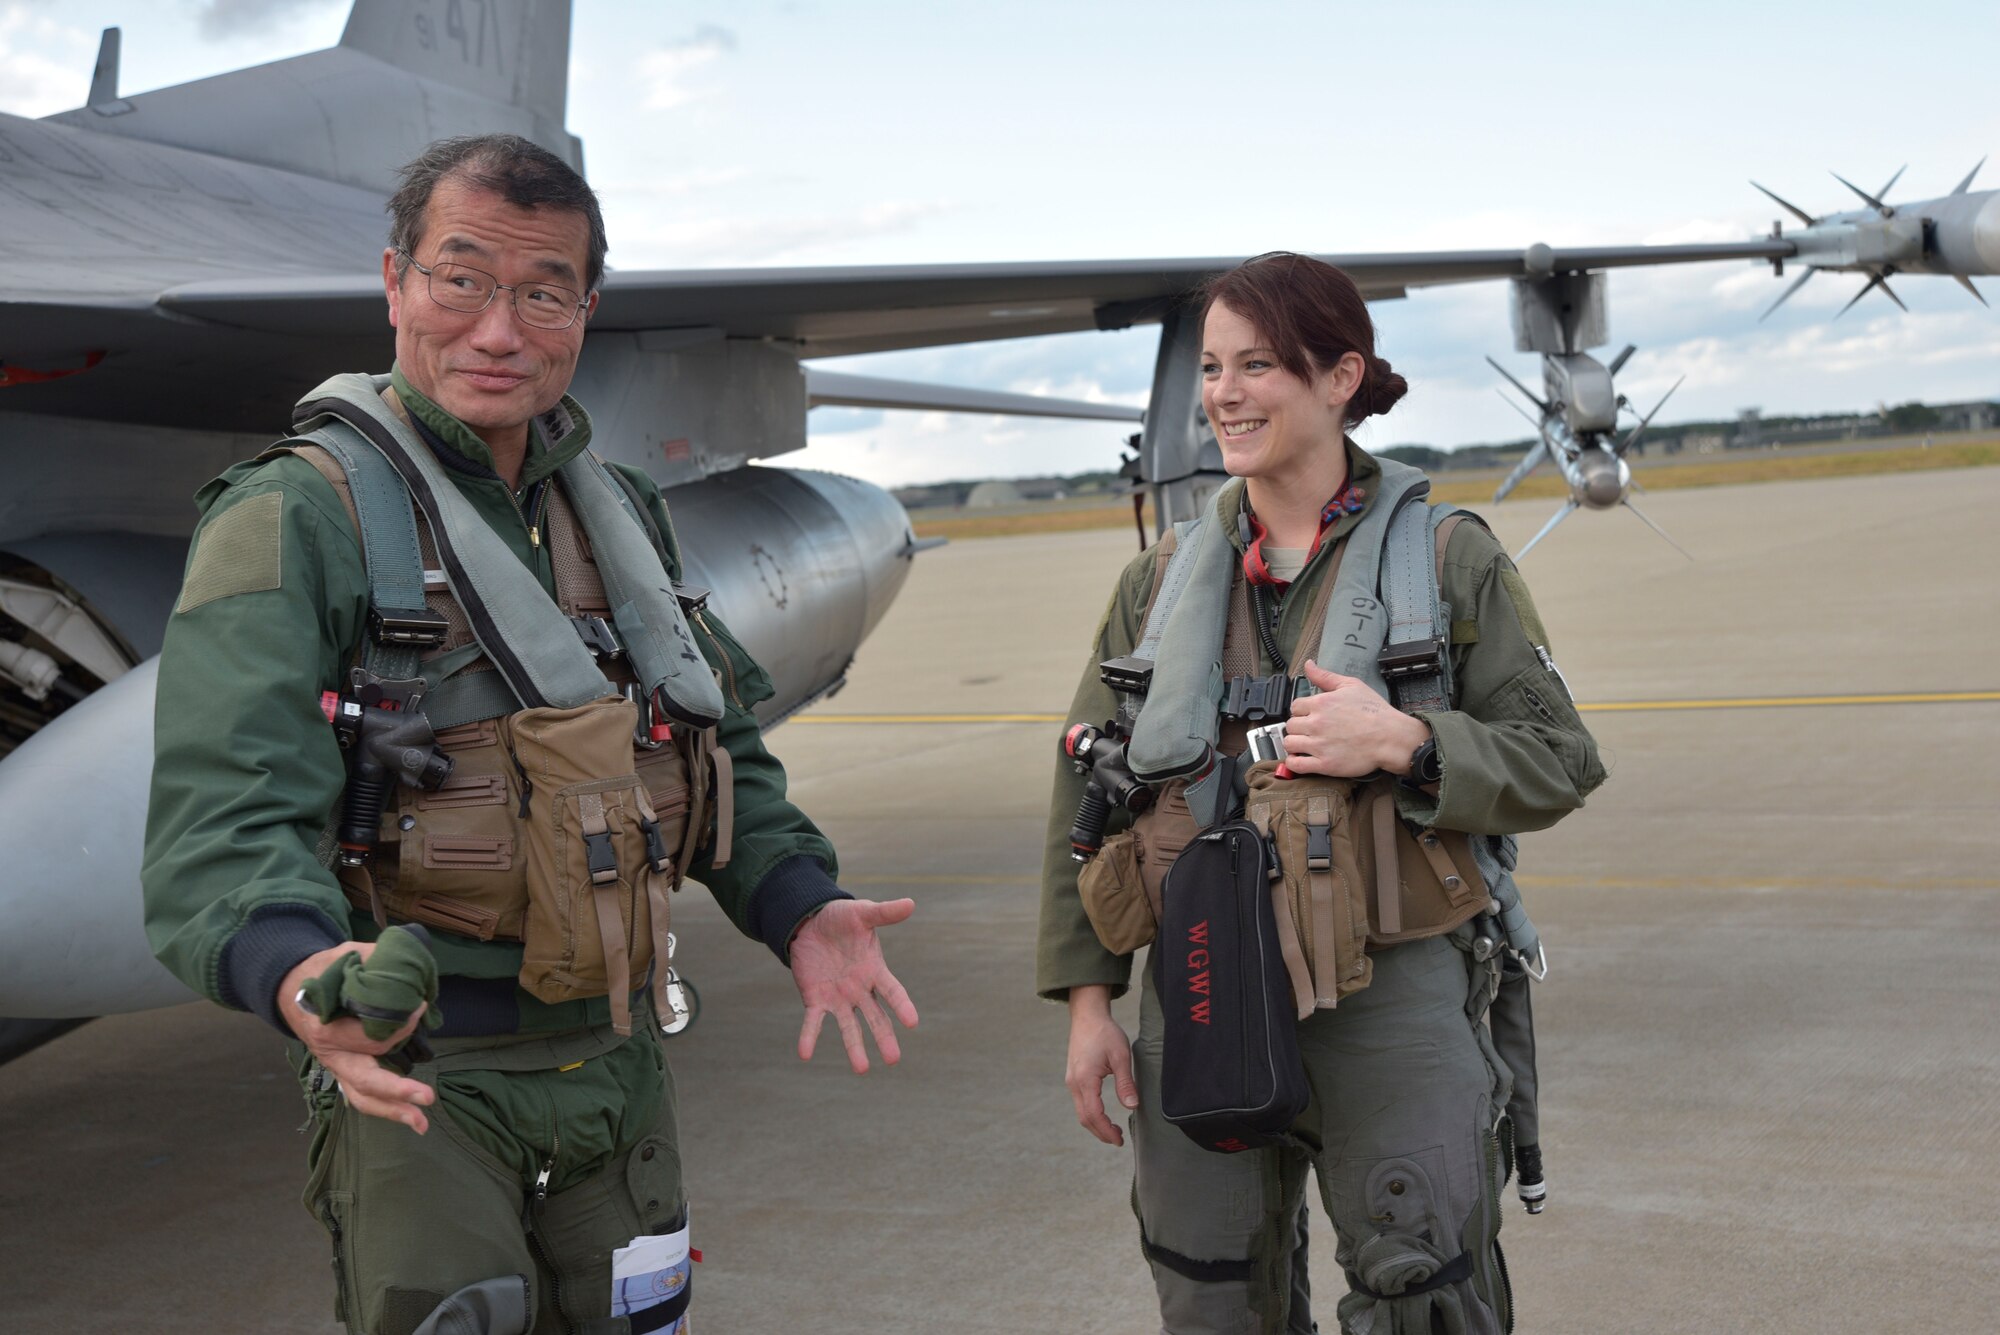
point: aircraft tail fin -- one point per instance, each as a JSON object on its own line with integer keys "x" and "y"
{"x": 404, "y": 75}
{"x": 510, "y": 51}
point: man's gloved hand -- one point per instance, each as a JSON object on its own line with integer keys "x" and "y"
{"x": 384, "y": 989}
{"x": 406, "y": 984}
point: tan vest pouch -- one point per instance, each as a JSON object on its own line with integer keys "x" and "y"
{"x": 1113, "y": 897}
{"x": 1319, "y": 891}
{"x": 1421, "y": 883}
{"x": 1120, "y": 887}
{"x": 599, "y": 867}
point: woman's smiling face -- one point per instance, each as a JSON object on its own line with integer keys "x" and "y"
{"x": 1268, "y": 421}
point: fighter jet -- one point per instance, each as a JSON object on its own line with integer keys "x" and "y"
{"x": 178, "y": 266}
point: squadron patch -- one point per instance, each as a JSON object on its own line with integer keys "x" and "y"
{"x": 239, "y": 551}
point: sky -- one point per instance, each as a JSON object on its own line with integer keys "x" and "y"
{"x": 801, "y": 132}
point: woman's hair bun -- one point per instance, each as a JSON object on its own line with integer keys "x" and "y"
{"x": 1381, "y": 390}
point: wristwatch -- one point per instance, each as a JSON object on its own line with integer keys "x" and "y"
{"x": 1426, "y": 766}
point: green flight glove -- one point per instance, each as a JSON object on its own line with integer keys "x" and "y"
{"x": 381, "y": 992}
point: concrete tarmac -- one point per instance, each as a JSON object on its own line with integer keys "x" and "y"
{"x": 1770, "y": 1066}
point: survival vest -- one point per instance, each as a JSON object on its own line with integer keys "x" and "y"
{"x": 566, "y": 820}
{"x": 1381, "y": 619}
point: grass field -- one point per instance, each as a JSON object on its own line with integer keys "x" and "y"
{"x": 1725, "y": 471}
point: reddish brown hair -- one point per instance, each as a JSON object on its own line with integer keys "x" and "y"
{"x": 1311, "y": 314}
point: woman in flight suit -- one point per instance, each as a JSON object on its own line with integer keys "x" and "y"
{"x": 1406, "y": 1088}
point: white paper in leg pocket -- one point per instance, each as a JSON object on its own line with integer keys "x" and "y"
{"x": 651, "y": 1282}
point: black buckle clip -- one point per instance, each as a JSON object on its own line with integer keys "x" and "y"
{"x": 692, "y": 598}
{"x": 1319, "y": 848}
{"x": 1129, "y": 675}
{"x": 416, "y": 626}
{"x": 602, "y": 856}
{"x": 1258, "y": 699}
{"x": 1411, "y": 658}
{"x": 598, "y": 636}
{"x": 656, "y": 846}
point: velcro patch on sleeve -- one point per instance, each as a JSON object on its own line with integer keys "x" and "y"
{"x": 1524, "y": 606}
{"x": 240, "y": 551}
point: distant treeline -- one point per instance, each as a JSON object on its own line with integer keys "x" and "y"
{"x": 1748, "y": 429}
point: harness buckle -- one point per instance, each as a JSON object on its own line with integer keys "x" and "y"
{"x": 656, "y": 846}
{"x": 1258, "y": 699}
{"x": 603, "y": 858}
{"x": 1129, "y": 675}
{"x": 598, "y": 637}
{"x": 1319, "y": 847}
{"x": 418, "y": 627}
{"x": 1411, "y": 658}
{"x": 692, "y": 598}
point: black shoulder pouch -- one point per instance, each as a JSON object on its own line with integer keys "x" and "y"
{"x": 1230, "y": 1072}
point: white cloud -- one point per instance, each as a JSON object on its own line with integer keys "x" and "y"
{"x": 668, "y": 68}
{"x": 44, "y": 65}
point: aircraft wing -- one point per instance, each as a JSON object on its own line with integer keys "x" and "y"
{"x": 837, "y": 388}
{"x": 830, "y": 312}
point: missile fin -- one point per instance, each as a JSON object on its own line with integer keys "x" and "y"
{"x": 1883, "y": 193}
{"x": 1529, "y": 461}
{"x": 1966, "y": 283}
{"x": 1647, "y": 420}
{"x": 1656, "y": 528}
{"x": 1568, "y": 509}
{"x": 1890, "y": 293}
{"x": 1786, "y": 295}
{"x": 1618, "y": 362}
{"x": 1873, "y": 202}
{"x": 1871, "y": 285}
{"x": 1966, "y": 184}
{"x": 1790, "y": 207}
{"x": 1517, "y": 385}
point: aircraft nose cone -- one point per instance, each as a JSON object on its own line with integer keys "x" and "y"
{"x": 72, "y": 824}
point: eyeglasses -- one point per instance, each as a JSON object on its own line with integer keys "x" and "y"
{"x": 457, "y": 287}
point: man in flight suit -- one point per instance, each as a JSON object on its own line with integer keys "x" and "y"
{"x": 539, "y": 1138}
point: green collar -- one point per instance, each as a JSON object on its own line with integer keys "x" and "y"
{"x": 1361, "y": 467}
{"x": 556, "y": 437}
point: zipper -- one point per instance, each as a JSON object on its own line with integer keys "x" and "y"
{"x": 339, "y": 1268}
{"x": 527, "y": 784}
{"x": 1496, "y": 1178}
{"x": 534, "y": 526}
{"x": 1547, "y": 714}
{"x": 537, "y": 1200}
{"x": 728, "y": 666}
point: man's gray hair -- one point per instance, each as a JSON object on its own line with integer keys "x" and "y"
{"x": 521, "y": 172}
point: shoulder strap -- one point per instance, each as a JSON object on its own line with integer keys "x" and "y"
{"x": 635, "y": 505}
{"x": 380, "y": 505}
{"x": 1417, "y": 659}
{"x": 1171, "y": 571}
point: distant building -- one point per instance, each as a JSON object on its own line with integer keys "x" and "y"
{"x": 993, "y": 494}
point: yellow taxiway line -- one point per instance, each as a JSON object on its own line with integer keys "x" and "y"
{"x": 1597, "y": 707}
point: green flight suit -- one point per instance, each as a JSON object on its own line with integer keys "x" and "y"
{"x": 1516, "y": 757}
{"x": 247, "y": 777}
